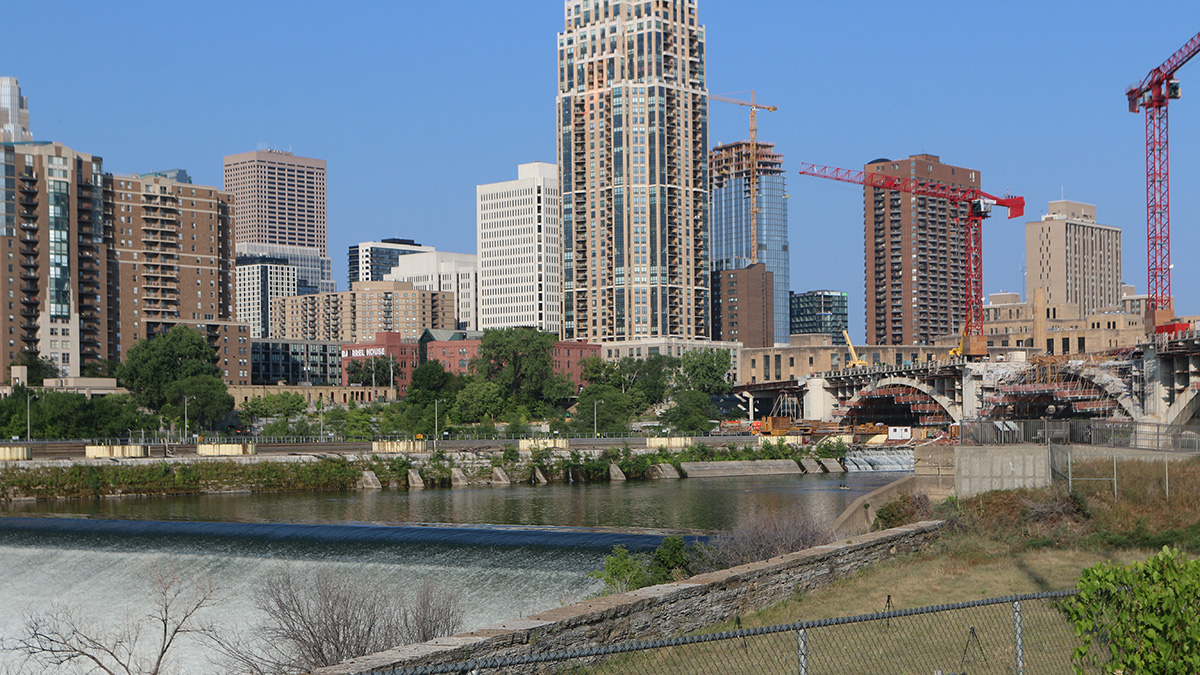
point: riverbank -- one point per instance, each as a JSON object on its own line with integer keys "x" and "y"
{"x": 118, "y": 476}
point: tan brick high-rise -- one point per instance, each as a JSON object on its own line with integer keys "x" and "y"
{"x": 632, "y": 112}
{"x": 915, "y": 281}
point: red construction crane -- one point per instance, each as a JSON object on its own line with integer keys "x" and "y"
{"x": 980, "y": 207}
{"x": 1152, "y": 95}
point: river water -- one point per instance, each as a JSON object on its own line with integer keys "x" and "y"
{"x": 511, "y": 551}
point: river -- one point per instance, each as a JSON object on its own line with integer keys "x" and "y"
{"x": 511, "y": 551}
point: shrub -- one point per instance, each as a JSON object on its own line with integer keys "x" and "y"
{"x": 758, "y": 536}
{"x": 1145, "y": 616}
{"x": 907, "y": 507}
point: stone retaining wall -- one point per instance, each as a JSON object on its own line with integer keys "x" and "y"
{"x": 667, "y": 610}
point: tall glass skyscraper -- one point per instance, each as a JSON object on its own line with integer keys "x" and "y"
{"x": 731, "y": 220}
{"x": 632, "y": 114}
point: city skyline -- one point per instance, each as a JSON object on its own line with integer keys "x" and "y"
{"x": 1089, "y": 149}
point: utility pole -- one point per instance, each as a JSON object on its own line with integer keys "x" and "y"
{"x": 28, "y": 423}
{"x": 185, "y": 415}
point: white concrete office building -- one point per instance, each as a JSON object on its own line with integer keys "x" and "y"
{"x": 519, "y": 240}
{"x": 444, "y": 272}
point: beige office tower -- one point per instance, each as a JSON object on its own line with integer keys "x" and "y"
{"x": 519, "y": 243}
{"x": 632, "y": 113}
{"x": 14, "y": 113}
{"x": 281, "y": 212}
{"x": 1076, "y": 260}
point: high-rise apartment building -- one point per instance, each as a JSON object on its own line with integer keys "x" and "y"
{"x": 1076, "y": 260}
{"x": 632, "y": 112}
{"x": 173, "y": 246}
{"x": 824, "y": 312}
{"x": 456, "y": 273}
{"x": 730, "y": 219}
{"x": 743, "y": 307}
{"x": 357, "y": 314}
{"x": 915, "y": 254}
{"x": 14, "y": 112}
{"x": 259, "y": 281}
{"x": 371, "y": 260}
{"x": 518, "y": 237}
{"x": 100, "y": 261}
{"x": 281, "y": 212}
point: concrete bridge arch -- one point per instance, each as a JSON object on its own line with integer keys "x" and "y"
{"x": 1115, "y": 389}
{"x": 952, "y": 409}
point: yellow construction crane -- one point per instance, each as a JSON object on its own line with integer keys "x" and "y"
{"x": 855, "y": 362}
{"x": 754, "y": 106}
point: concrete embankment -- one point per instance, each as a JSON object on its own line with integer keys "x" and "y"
{"x": 759, "y": 467}
{"x": 667, "y": 610}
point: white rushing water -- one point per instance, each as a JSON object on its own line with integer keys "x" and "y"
{"x": 105, "y": 584}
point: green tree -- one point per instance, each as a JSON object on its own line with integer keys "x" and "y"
{"x": 361, "y": 371}
{"x": 705, "y": 370}
{"x": 118, "y": 415}
{"x": 99, "y": 368}
{"x": 430, "y": 382}
{"x": 519, "y": 361}
{"x": 254, "y": 409}
{"x": 154, "y": 364}
{"x": 38, "y": 368}
{"x": 649, "y": 379}
{"x": 610, "y": 405}
{"x": 692, "y": 413}
{"x": 209, "y": 401}
{"x": 285, "y": 404}
{"x": 1146, "y": 614}
{"x": 595, "y": 370}
{"x": 478, "y": 401}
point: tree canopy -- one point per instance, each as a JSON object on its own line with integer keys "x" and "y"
{"x": 691, "y": 414}
{"x": 705, "y": 370}
{"x": 151, "y": 366}
{"x": 39, "y": 368}
{"x": 520, "y": 362}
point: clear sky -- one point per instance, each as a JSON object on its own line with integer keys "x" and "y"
{"x": 414, "y": 103}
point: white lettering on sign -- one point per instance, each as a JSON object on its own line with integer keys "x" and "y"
{"x": 899, "y": 433}
{"x": 345, "y": 353}
{"x": 374, "y": 351}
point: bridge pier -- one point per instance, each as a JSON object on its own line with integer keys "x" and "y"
{"x": 818, "y": 402}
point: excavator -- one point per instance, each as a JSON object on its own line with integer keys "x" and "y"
{"x": 855, "y": 362}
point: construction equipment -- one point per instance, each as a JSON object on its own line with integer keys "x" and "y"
{"x": 980, "y": 204}
{"x": 962, "y": 341}
{"x": 1152, "y": 95}
{"x": 754, "y": 108}
{"x": 855, "y": 362}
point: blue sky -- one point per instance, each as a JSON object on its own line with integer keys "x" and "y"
{"x": 414, "y": 103}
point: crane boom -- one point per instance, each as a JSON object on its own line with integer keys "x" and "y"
{"x": 754, "y": 106}
{"x": 980, "y": 207}
{"x": 1153, "y": 94}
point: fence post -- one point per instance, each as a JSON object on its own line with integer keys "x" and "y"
{"x": 1070, "y": 476}
{"x": 1019, "y": 638}
{"x": 1114, "y": 477}
{"x": 1167, "y": 475}
{"x": 802, "y": 651}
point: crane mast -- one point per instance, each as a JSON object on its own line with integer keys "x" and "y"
{"x": 980, "y": 205}
{"x": 754, "y": 108}
{"x": 1152, "y": 95}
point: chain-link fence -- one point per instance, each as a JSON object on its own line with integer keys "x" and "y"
{"x": 1022, "y": 635}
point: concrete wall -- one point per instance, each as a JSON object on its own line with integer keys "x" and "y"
{"x": 667, "y": 610}
{"x": 389, "y": 447}
{"x": 540, "y": 443}
{"x": 15, "y": 452}
{"x": 226, "y": 449}
{"x": 116, "y": 451}
{"x": 980, "y": 469}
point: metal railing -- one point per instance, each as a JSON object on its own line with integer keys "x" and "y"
{"x": 1107, "y": 433}
{"x": 1021, "y": 634}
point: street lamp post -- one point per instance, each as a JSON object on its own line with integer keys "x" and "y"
{"x": 436, "y": 436}
{"x": 185, "y": 414}
{"x": 29, "y": 396}
{"x": 595, "y": 433}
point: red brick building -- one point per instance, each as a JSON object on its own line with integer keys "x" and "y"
{"x": 455, "y": 349}
{"x": 402, "y": 349}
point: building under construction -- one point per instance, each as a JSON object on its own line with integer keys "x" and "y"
{"x": 733, "y": 169}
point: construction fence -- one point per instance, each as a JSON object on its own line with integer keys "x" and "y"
{"x": 1021, "y": 635}
{"x": 1107, "y": 433}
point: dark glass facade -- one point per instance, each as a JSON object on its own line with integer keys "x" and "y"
{"x": 820, "y": 312}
